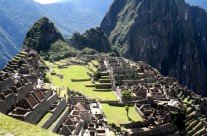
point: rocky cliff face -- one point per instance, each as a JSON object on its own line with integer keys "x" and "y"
{"x": 168, "y": 34}
{"x": 94, "y": 38}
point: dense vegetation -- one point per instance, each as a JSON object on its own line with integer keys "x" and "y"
{"x": 60, "y": 50}
{"x": 94, "y": 38}
{"x": 17, "y": 16}
{"x": 42, "y": 35}
{"x": 47, "y": 40}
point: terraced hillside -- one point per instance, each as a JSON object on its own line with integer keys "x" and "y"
{"x": 77, "y": 72}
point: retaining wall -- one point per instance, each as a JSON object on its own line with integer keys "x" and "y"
{"x": 56, "y": 113}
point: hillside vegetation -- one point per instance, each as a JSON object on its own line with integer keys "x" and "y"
{"x": 45, "y": 38}
{"x": 11, "y": 126}
{"x": 94, "y": 38}
{"x": 17, "y": 16}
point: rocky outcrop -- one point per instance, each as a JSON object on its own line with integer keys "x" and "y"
{"x": 94, "y": 38}
{"x": 168, "y": 34}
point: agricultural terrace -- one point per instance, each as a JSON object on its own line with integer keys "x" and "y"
{"x": 76, "y": 72}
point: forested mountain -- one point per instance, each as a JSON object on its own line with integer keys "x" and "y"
{"x": 168, "y": 34}
{"x": 94, "y": 38}
{"x": 45, "y": 38}
{"x": 17, "y": 16}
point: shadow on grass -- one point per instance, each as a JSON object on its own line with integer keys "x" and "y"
{"x": 130, "y": 119}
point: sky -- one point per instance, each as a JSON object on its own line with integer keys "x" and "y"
{"x": 47, "y": 1}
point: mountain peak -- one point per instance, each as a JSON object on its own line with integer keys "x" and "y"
{"x": 41, "y": 35}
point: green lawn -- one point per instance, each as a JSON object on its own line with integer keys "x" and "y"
{"x": 78, "y": 72}
{"x": 15, "y": 127}
{"x": 118, "y": 115}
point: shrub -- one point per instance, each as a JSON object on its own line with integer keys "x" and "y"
{"x": 126, "y": 95}
{"x": 97, "y": 76}
{"x": 46, "y": 79}
{"x": 89, "y": 51}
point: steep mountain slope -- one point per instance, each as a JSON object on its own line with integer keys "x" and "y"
{"x": 17, "y": 16}
{"x": 168, "y": 34}
{"x": 41, "y": 35}
{"x": 94, "y": 38}
{"x": 48, "y": 41}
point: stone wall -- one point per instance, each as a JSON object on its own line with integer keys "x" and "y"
{"x": 80, "y": 80}
{"x": 58, "y": 110}
{"x": 104, "y": 80}
{"x": 62, "y": 120}
{"x": 6, "y": 84}
{"x": 32, "y": 79}
{"x": 23, "y": 91}
{"x": 8, "y": 104}
{"x": 40, "y": 110}
{"x": 139, "y": 111}
{"x": 103, "y": 86}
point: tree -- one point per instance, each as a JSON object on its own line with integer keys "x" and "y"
{"x": 126, "y": 95}
{"x": 127, "y": 110}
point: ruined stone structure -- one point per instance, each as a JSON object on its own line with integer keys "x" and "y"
{"x": 155, "y": 97}
{"x": 22, "y": 92}
{"x": 84, "y": 117}
{"x": 24, "y": 97}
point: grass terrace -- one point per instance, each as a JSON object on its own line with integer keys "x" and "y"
{"x": 95, "y": 62}
{"x": 118, "y": 115}
{"x": 92, "y": 67}
{"x": 77, "y": 72}
{"x": 10, "y": 126}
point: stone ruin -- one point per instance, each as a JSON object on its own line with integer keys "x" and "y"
{"x": 24, "y": 97}
{"x": 22, "y": 92}
{"x": 150, "y": 91}
{"x": 83, "y": 117}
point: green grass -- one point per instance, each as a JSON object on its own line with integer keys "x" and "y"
{"x": 95, "y": 62}
{"x": 118, "y": 115}
{"x": 47, "y": 85}
{"x": 78, "y": 72}
{"x": 112, "y": 133}
{"x": 92, "y": 67}
{"x": 44, "y": 119}
{"x": 15, "y": 127}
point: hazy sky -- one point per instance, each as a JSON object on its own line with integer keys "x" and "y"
{"x": 47, "y": 1}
